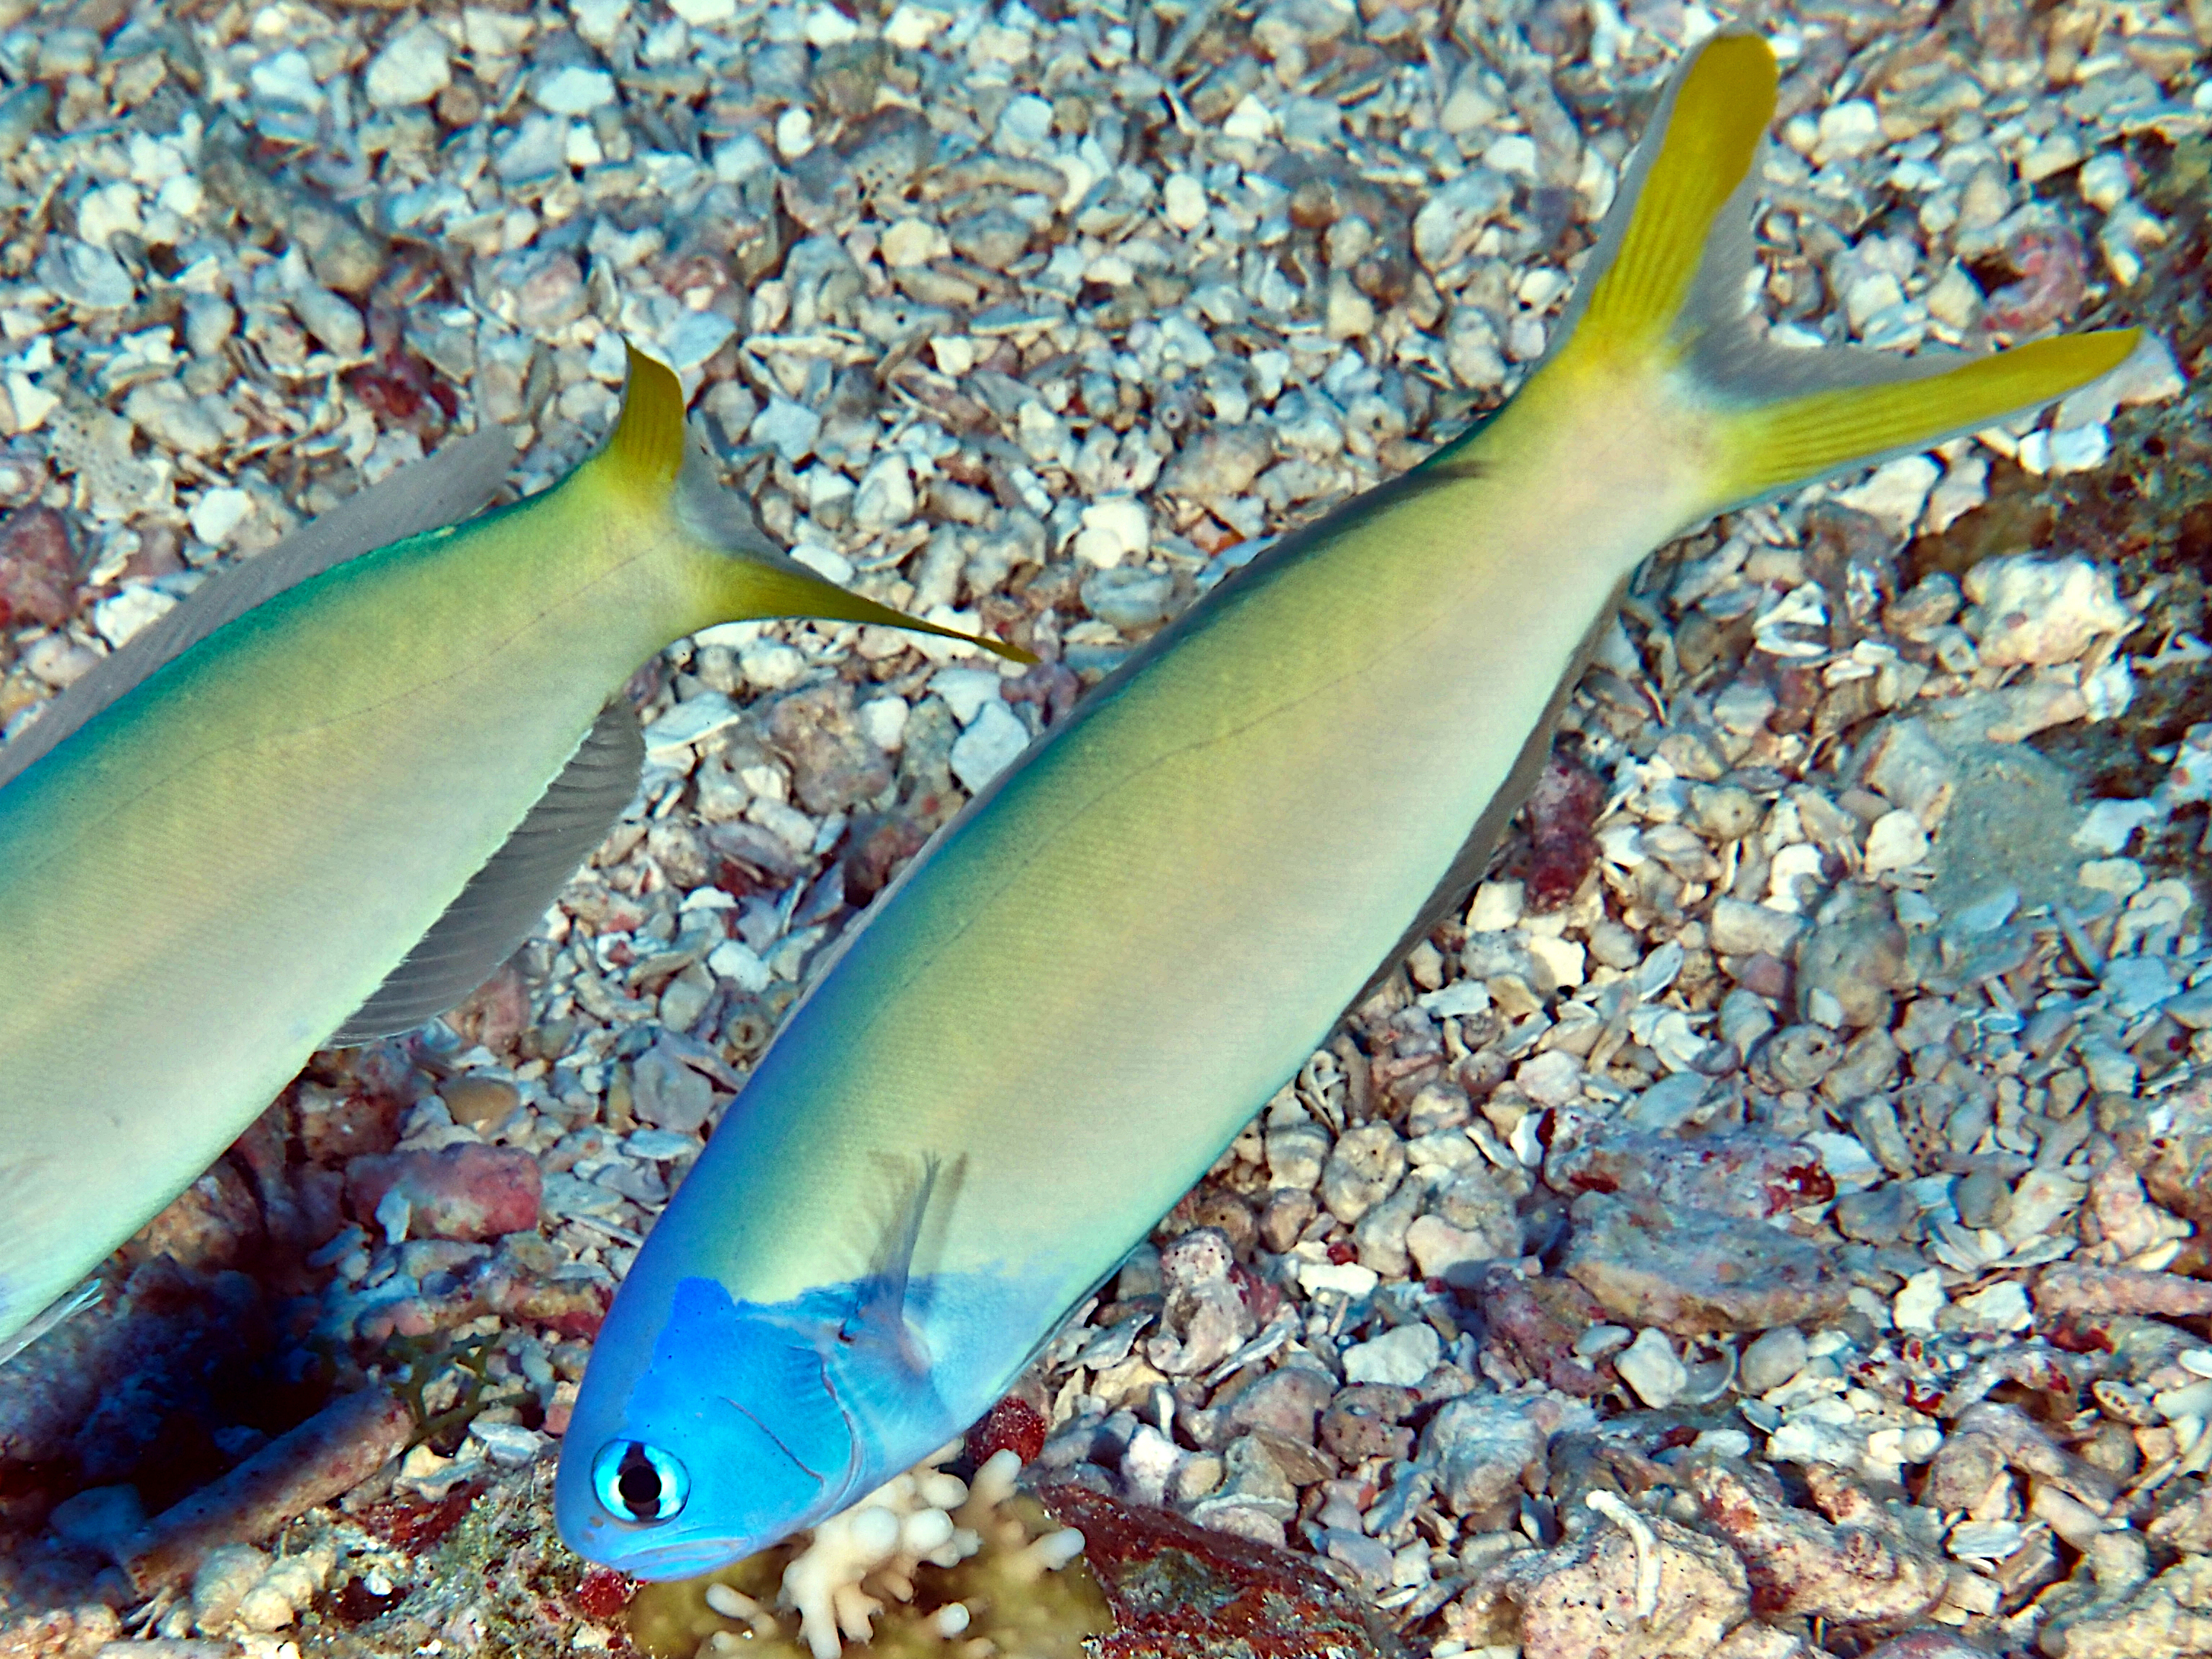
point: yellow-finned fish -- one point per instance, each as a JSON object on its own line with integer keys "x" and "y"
{"x": 325, "y": 797}
{"x": 1057, "y": 1019}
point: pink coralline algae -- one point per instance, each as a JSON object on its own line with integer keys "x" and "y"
{"x": 1013, "y": 1425}
{"x": 37, "y": 569}
{"x": 1692, "y": 1271}
{"x": 1750, "y": 1176}
{"x": 464, "y": 1192}
{"x": 2053, "y": 272}
{"x": 1562, "y": 807}
{"x": 1856, "y": 1566}
{"x": 1179, "y": 1590}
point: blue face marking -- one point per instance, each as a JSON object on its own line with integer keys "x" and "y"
{"x": 720, "y": 1427}
{"x": 732, "y": 1439}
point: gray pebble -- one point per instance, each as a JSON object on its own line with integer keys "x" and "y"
{"x": 165, "y": 412}
{"x": 1453, "y": 216}
{"x": 1868, "y": 1065}
{"x": 1256, "y": 1477}
{"x": 574, "y": 90}
{"x": 1128, "y": 595}
{"x": 668, "y": 1094}
{"x": 1288, "y": 1210}
{"x": 414, "y": 67}
{"x": 1436, "y": 1107}
{"x": 342, "y": 254}
{"x": 1480, "y": 1199}
{"x": 1221, "y": 465}
{"x": 67, "y": 50}
{"x": 1650, "y": 1366}
{"x": 1691, "y": 1271}
{"x": 1903, "y": 761}
{"x": 1801, "y": 1056}
{"x": 1400, "y": 1357}
{"x": 994, "y": 239}
{"x": 989, "y": 746}
{"x": 100, "y": 1518}
{"x": 1744, "y": 1019}
{"x": 1614, "y": 945}
{"x": 222, "y": 1582}
{"x": 537, "y": 151}
{"x": 1288, "y": 1400}
{"x": 22, "y": 112}
{"x": 1381, "y": 1233}
{"x": 681, "y": 852}
{"x": 208, "y": 323}
{"x": 1878, "y": 1215}
{"x": 1482, "y": 1444}
{"x": 1296, "y": 1151}
{"x": 547, "y": 288}
{"x": 1982, "y": 1199}
{"x": 1873, "y": 1119}
{"x": 2193, "y": 1008}
{"x": 1722, "y": 811}
{"x": 789, "y": 428}
{"x": 1857, "y": 955}
{"x": 1740, "y": 929}
{"x": 1772, "y": 1359}
{"x": 1139, "y": 1275}
{"x": 1362, "y": 1170}
{"x": 85, "y": 276}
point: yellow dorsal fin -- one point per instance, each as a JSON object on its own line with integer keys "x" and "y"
{"x": 647, "y": 447}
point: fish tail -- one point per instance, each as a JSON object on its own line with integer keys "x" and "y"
{"x": 1664, "y": 295}
{"x": 734, "y": 571}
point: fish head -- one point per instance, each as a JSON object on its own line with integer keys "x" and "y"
{"x": 700, "y": 1443}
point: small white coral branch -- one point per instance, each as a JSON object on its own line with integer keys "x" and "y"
{"x": 877, "y": 1544}
{"x": 1646, "y": 1541}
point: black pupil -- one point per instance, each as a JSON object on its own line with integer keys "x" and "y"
{"x": 638, "y": 1483}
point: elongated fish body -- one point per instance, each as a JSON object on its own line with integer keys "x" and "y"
{"x": 205, "y": 878}
{"x": 1059, "y": 1016}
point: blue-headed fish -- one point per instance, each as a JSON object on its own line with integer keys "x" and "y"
{"x": 323, "y": 797}
{"x": 1057, "y": 1019}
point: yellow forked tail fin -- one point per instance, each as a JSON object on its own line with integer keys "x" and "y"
{"x": 737, "y": 572}
{"x": 647, "y": 445}
{"x": 1683, "y": 181}
{"x": 1772, "y": 445}
{"x": 1664, "y": 293}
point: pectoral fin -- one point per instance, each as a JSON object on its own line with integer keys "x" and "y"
{"x": 504, "y": 900}
{"x": 880, "y": 1317}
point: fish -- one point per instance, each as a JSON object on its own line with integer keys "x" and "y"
{"x": 1063, "y": 1011}
{"x": 325, "y": 796}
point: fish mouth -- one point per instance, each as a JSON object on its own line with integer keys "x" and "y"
{"x": 688, "y": 1559}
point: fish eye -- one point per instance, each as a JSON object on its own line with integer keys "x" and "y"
{"x": 638, "y": 1482}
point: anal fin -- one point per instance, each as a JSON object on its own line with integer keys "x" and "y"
{"x": 504, "y": 900}
{"x": 55, "y": 1313}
